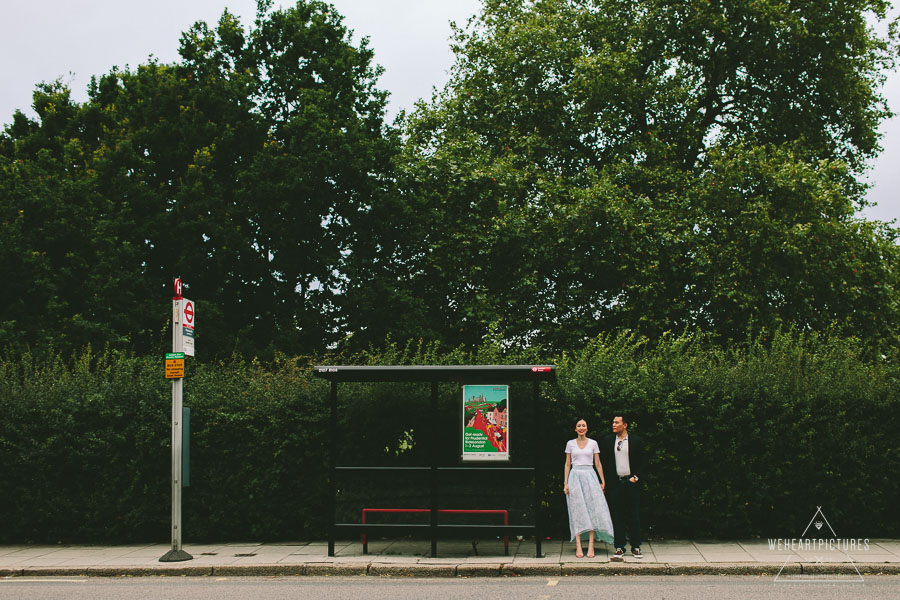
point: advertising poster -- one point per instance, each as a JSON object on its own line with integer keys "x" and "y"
{"x": 485, "y": 422}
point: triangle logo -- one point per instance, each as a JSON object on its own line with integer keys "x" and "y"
{"x": 818, "y": 542}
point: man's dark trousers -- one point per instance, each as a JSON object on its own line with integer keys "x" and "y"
{"x": 624, "y": 499}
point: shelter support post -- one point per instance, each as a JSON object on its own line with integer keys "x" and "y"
{"x": 434, "y": 473}
{"x": 331, "y": 470}
{"x": 535, "y": 432}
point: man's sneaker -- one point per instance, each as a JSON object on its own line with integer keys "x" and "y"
{"x": 619, "y": 556}
{"x": 636, "y": 552}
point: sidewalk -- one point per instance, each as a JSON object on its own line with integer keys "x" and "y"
{"x": 455, "y": 559}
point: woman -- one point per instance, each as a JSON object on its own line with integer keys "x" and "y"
{"x": 588, "y": 510}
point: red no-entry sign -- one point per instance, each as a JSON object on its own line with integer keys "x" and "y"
{"x": 188, "y": 321}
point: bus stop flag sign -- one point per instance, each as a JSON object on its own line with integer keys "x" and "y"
{"x": 174, "y": 365}
{"x": 187, "y": 326}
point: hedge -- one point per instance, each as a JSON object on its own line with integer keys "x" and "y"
{"x": 745, "y": 441}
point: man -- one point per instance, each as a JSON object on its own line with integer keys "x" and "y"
{"x": 623, "y": 459}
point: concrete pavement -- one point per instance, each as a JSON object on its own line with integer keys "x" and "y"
{"x": 404, "y": 557}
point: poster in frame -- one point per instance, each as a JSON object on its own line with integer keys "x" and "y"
{"x": 485, "y": 414}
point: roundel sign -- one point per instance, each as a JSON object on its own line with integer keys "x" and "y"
{"x": 188, "y": 322}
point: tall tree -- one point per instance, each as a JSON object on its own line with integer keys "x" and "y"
{"x": 652, "y": 165}
{"x": 248, "y": 168}
{"x": 322, "y": 169}
{"x": 59, "y": 251}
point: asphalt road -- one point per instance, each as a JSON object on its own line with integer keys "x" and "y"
{"x": 376, "y": 588}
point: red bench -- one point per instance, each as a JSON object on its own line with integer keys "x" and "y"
{"x": 449, "y": 511}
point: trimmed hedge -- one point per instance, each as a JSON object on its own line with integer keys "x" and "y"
{"x": 743, "y": 442}
{"x": 750, "y": 441}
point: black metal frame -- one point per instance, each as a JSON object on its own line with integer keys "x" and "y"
{"x": 463, "y": 374}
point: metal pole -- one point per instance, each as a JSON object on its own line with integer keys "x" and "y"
{"x": 332, "y": 472}
{"x": 176, "y": 553}
{"x": 434, "y": 473}
{"x": 535, "y": 431}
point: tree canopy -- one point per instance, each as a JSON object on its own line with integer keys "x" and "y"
{"x": 591, "y": 166}
{"x": 247, "y": 168}
{"x": 596, "y": 165}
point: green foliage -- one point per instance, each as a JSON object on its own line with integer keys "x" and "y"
{"x": 258, "y": 435}
{"x": 742, "y": 442}
{"x": 597, "y": 166}
{"x": 747, "y": 441}
{"x": 84, "y": 447}
{"x": 249, "y": 168}
{"x": 592, "y": 166}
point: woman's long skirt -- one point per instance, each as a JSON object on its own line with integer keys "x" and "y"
{"x": 587, "y": 505}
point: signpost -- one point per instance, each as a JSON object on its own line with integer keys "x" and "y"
{"x": 181, "y": 307}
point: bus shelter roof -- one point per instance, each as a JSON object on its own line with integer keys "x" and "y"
{"x": 458, "y": 373}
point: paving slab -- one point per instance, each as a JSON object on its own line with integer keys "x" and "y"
{"x": 148, "y": 562}
{"x": 874, "y": 558}
{"x": 889, "y": 547}
{"x": 157, "y": 551}
{"x": 260, "y": 559}
{"x": 440, "y": 560}
{"x": 201, "y": 548}
{"x": 395, "y": 560}
{"x": 27, "y": 553}
{"x": 663, "y": 542}
{"x": 496, "y": 558}
{"x": 39, "y": 561}
{"x": 275, "y": 550}
{"x": 729, "y": 557}
{"x": 682, "y": 558}
{"x": 352, "y": 560}
{"x": 4, "y": 550}
{"x": 309, "y": 551}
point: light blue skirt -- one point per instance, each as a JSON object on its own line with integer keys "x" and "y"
{"x": 587, "y": 505}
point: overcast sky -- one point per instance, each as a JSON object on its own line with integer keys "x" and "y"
{"x": 75, "y": 39}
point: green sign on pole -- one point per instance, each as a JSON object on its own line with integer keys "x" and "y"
{"x": 174, "y": 355}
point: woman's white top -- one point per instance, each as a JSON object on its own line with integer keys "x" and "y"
{"x": 582, "y": 456}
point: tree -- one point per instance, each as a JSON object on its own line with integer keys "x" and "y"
{"x": 595, "y": 165}
{"x": 60, "y": 251}
{"x": 248, "y": 168}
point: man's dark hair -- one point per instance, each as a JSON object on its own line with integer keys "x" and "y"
{"x": 625, "y": 418}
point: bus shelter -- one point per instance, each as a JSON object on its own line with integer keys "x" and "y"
{"x": 463, "y": 375}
